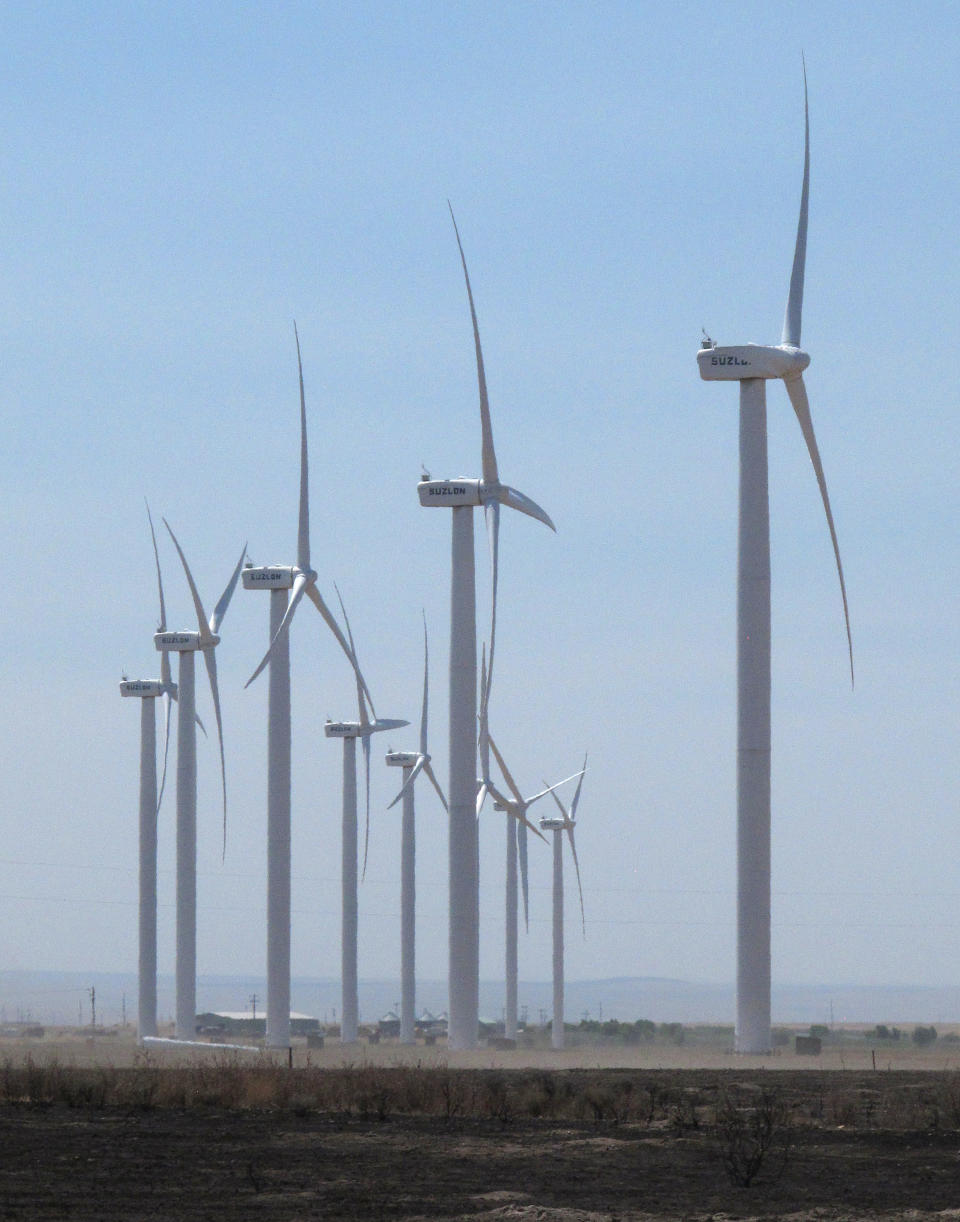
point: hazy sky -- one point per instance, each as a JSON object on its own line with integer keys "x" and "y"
{"x": 179, "y": 182}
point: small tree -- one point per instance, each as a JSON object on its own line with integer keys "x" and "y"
{"x": 922, "y": 1036}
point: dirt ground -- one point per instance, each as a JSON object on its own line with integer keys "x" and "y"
{"x": 633, "y": 1143}
{"x": 699, "y": 1051}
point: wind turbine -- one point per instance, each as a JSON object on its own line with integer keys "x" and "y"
{"x": 751, "y": 365}
{"x": 279, "y": 580}
{"x": 148, "y": 690}
{"x": 186, "y": 645}
{"x": 412, "y": 763}
{"x": 565, "y": 823}
{"x": 517, "y": 828}
{"x": 350, "y": 731}
{"x": 461, "y": 495}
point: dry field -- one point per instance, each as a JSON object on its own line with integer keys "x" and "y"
{"x": 96, "y": 1130}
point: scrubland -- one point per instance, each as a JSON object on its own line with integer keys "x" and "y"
{"x": 373, "y": 1132}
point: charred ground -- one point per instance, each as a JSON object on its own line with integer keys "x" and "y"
{"x": 407, "y": 1142}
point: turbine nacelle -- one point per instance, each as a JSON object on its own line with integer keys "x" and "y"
{"x": 734, "y": 363}
{"x": 550, "y": 823}
{"x": 359, "y": 729}
{"x": 405, "y": 759}
{"x": 448, "y": 493}
{"x": 342, "y": 729}
{"x": 142, "y": 687}
{"x": 182, "y": 642}
{"x": 268, "y": 577}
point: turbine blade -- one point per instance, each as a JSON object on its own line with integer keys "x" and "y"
{"x": 801, "y": 405}
{"x": 485, "y": 788}
{"x": 303, "y": 532}
{"x": 791, "y": 318}
{"x": 563, "y": 810}
{"x": 517, "y": 795}
{"x": 167, "y": 702}
{"x": 489, "y": 458}
{"x": 491, "y": 512}
{"x": 515, "y": 809}
{"x": 196, "y": 716}
{"x": 315, "y": 597}
{"x": 198, "y": 605}
{"x": 568, "y": 825}
{"x": 361, "y": 703}
{"x": 156, "y": 556}
{"x": 517, "y": 500}
{"x": 165, "y": 677}
{"x": 576, "y": 866}
{"x": 484, "y": 739}
{"x": 423, "y": 709}
{"x": 414, "y": 773}
{"x": 524, "y": 861}
{"x": 428, "y": 769}
{"x": 210, "y": 658}
{"x": 365, "y": 743}
{"x": 550, "y": 788}
{"x": 220, "y": 610}
{"x": 299, "y": 588}
{"x": 576, "y": 797}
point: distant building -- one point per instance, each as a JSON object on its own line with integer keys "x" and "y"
{"x": 241, "y": 1022}
{"x": 431, "y": 1025}
{"x": 389, "y": 1025}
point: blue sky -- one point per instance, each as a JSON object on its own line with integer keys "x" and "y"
{"x": 178, "y": 183}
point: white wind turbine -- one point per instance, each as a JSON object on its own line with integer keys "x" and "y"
{"x": 186, "y": 645}
{"x": 751, "y": 365}
{"x": 412, "y": 763}
{"x": 565, "y": 823}
{"x": 350, "y": 731}
{"x": 148, "y": 690}
{"x": 461, "y": 495}
{"x": 279, "y": 579}
{"x": 516, "y": 829}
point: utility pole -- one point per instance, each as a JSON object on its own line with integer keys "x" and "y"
{"x": 253, "y": 1005}
{"x": 123, "y": 1007}
{"x": 93, "y": 1006}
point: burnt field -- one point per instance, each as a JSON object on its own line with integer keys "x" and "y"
{"x": 226, "y": 1140}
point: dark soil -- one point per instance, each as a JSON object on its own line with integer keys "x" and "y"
{"x": 842, "y": 1146}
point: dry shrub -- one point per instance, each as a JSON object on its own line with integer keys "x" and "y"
{"x": 750, "y": 1134}
{"x": 842, "y": 1108}
{"x": 947, "y": 1101}
{"x": 607, "y": 1102}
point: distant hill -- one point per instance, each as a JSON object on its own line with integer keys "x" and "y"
{"x": 64, "y": 998}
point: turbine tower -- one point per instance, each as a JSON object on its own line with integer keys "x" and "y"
{"x": 412, "y": 763}
{"x": 751, "y": 365}
{"x": 565, "y": 823}
{"x": 461, "y": 495}
{"x": 186, "y": 645}
{"x": 148, "y": 690}
{"x": 350, "y": 731}
{"x": 279, "y": 580}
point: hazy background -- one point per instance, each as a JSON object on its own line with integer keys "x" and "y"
{"x": 177, "y": 184}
